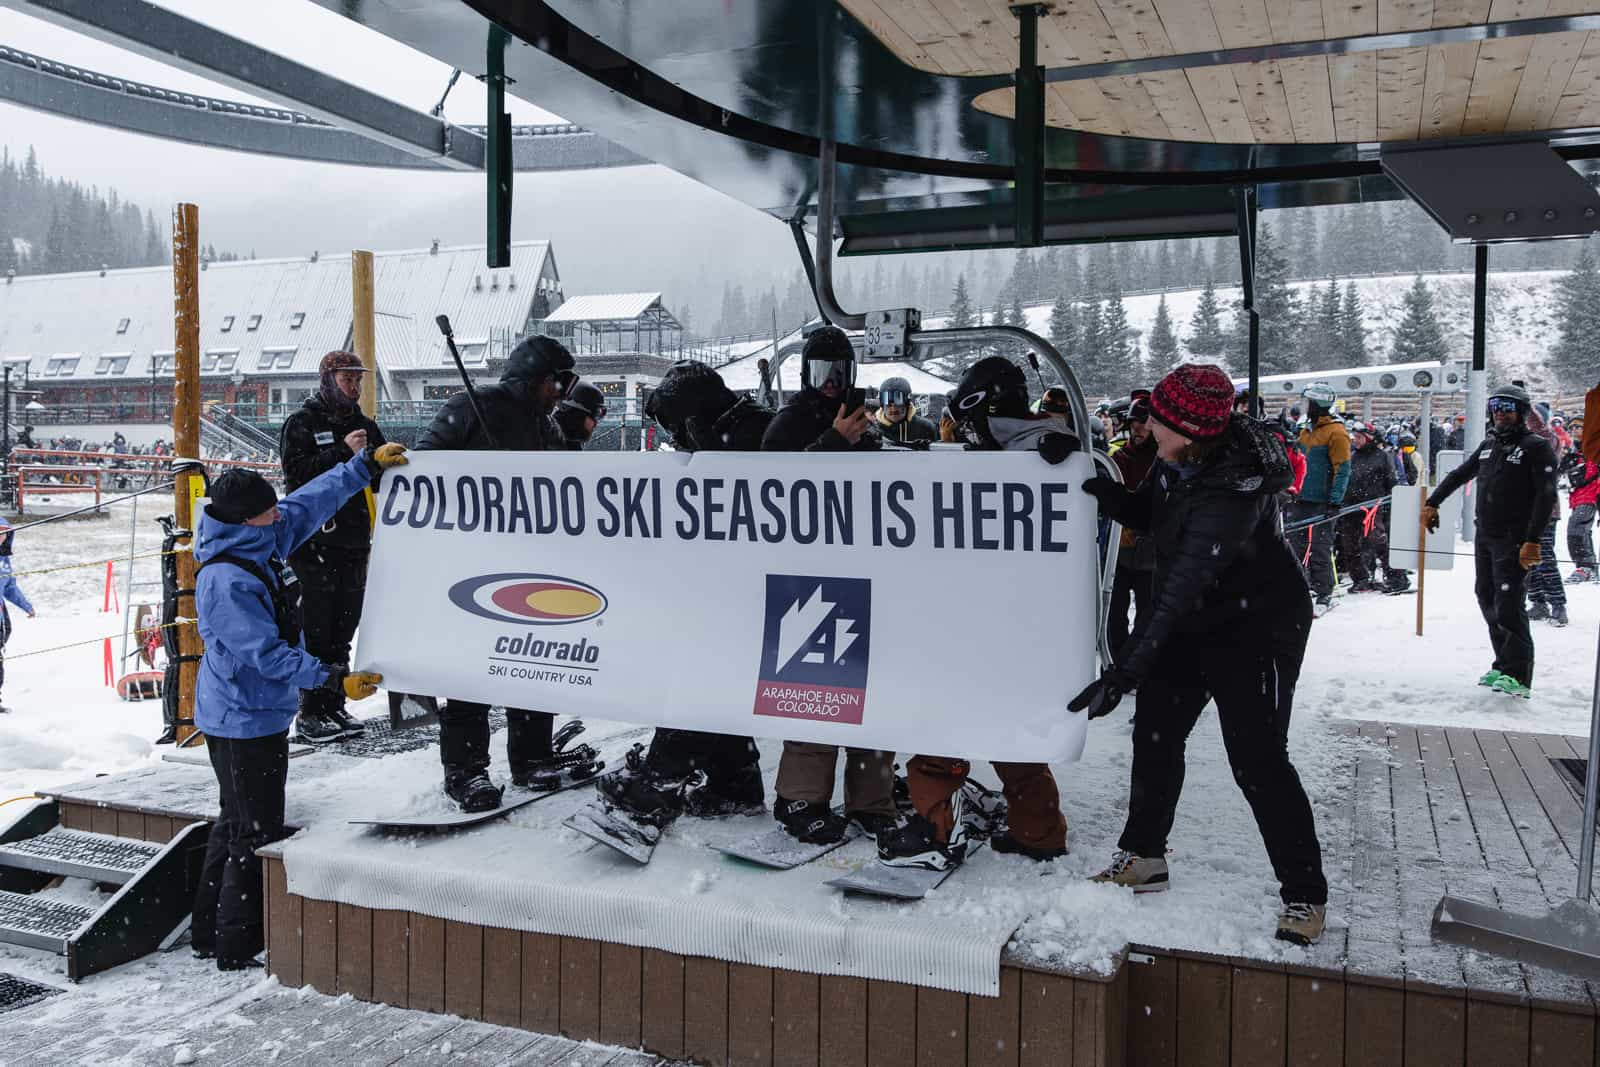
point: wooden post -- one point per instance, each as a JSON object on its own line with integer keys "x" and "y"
{"x": 362, "y": 327}
{"x": 188, "y": 482}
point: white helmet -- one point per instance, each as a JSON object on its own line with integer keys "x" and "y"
{"x": 1320, "y": 394}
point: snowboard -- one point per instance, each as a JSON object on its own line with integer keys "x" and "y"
{"x": 599, "y": 822}
{"x": 609, "y": 752}
{"x": 781, "y": 851}
{"x": 898, "y": 883}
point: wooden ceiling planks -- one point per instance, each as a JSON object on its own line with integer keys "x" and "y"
{"x": 1548, "y": 81}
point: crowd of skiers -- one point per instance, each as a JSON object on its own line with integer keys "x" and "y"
{"x": 1218, "y": 594}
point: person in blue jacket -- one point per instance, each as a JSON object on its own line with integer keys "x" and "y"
{"x": 11, "y": 592}
{"x": 248, "y": 690}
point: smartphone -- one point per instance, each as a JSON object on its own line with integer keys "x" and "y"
{"x": 854, "y": 399}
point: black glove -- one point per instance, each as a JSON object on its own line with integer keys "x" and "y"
{"x": 1102, "y": 696}
{"x": 1103, "y": 489}
{"x": 1055, "y": 447}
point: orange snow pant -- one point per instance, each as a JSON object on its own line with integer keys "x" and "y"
{"x": 1034, "y": 801}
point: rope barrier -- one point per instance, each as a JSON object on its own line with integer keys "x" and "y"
{"x": 90, "y": 641}
{"x": 94, "y": 563}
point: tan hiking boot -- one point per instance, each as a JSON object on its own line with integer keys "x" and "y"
{"x": 1301, "y": 924}
{"x": 1138, "y": 873}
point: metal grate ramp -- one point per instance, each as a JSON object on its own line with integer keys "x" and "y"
{"x": 38, "y": 922}
{"x": 79, "y": 854}
{"x": 381, "y": 739}
{"x": 20, "y": 992}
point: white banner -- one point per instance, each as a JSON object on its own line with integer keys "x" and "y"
{"x": 933, "y": 602}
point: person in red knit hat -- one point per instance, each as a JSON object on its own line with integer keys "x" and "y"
{"x": 1229, "y": 623}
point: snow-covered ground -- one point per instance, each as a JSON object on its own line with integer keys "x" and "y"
{"x": 1364, "y": 662}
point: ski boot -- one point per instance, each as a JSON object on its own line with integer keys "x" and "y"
{"x": 915, "y": 843}
{"x": 811, "y": 823}
{"x": 1538, "y": 610}
{"x": 1321, "y": 606}
{"x": 1511, "y": 687}
{"x": 169, "y": 735}
{"x": 640, "y": 793}
{"x": 1490, "y": 677}
{"x": 576, "y": 763}
{"x": 1558, "y": 615}
{"x": 743, "y": 794}
{"x": 1004, "y": 842}
{"x": 985, "y": 809}
{"x": 1581, "y": 575}
{"x": 472, "y": 791}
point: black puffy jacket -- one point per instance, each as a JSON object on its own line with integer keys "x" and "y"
{"x": 806, "y": 425}
{"x": 311, "y": 442}
{"x": 1221, "y": 561}
{"x": 1371, "y": 474}
{"x": 1516, "y": 473}
{"x": 908, "y": 430}
{"x": 508, "y": 408}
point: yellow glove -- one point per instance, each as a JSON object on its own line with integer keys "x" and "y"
{"x": 359, "y": 685}
{"x": 392, "y": 454}
{"x": 1529, "y": 555}
{"x": 1430, "y": 517}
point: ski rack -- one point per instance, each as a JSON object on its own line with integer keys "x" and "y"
{"x": 897, "y": 334}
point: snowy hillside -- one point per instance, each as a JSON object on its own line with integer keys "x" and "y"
{"x": 1522, "y": 322}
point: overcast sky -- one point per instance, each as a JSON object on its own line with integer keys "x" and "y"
{"x": 631, "y": 228}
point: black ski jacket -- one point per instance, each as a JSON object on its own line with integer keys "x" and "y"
{"x": 1221, "y": 560}
{"x": 1516, "y": 474}
{"x": 311, "y": 442}
{"x": 911, "y": 429}
{"x": 508, "y": 408}
{"x": 806, "y": 425}
{"x": 741, "y": 428}
{"x": 1371, "y": 474}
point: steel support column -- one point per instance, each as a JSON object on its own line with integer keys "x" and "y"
{"x": 1246, "y": 200}
{"x": 1477, "y": 377}
{"x": 497, "y": 159}
{"x": 1028, "y": 129}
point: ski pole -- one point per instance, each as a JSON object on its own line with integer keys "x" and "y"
{"x": 443, "y": 322}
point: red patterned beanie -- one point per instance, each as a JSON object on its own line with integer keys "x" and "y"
{"x": 1196, "y": 399}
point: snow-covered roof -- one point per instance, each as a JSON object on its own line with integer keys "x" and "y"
{"x": 745, "y": 374}
{"x": 604, "y": 307}
{"x": 273, "y": 316}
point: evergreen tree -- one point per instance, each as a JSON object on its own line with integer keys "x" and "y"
{"x": 1353, "y": 329}
{"x": 1091, "y": 347}
{"x": 1573, "y": 358}
{"x": 8, "y": 253}
{"x": 961, "y": 315}
{"x": 1120, "y": 350}
{"x": 1419, "y": 338}
{"x": 1205, "y": 328}
{"x": 1323, "y": 347}
{"x": 1017, "y": 316}
{"x": 1064, "y": 332}
{"x": 1163, "y": 342}
{"x": 1278, "y": 308}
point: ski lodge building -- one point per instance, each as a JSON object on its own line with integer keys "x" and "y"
{"x": 92, "y": 351}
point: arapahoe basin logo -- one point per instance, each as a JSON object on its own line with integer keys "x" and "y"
{"x": 540, "y": 599}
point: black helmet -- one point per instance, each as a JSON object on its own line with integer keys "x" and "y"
{"x": 540, "y": 357}
{"x": 894, "y": 391}
{"x": 689, "y": 390}
{"x": 1118, "y": 409}
{"x": 587, "y": 399}
{"x": 992, "y": 387}
{"x": 1514, "y": 393}
{"x": 828, "y": 357}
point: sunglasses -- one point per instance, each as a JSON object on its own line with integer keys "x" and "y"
{"x": 1501, "y": 405}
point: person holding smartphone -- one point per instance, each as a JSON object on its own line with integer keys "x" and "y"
{"x": 829, "y": 414}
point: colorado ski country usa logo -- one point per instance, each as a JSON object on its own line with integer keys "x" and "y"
{"x": 815, "y": 647}
{"x": 540, "y": 599}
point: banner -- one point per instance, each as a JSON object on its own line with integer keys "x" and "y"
{"x": 936, "y": 602}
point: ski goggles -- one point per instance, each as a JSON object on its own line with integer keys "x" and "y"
{"x": 894, "y": 398}
{"x": 1502, "y": 405}
{"x": 566, "y": 379}
{"x": 820, "y": 372}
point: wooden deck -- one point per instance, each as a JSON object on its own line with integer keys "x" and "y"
{"x": 1480, "y": 813}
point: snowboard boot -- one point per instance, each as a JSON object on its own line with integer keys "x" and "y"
{"x": 985, "y": 809}
{"x": 1511, "y": 687}
{"x": 742, "y": 794}
{"x": 1321, "y": 606}
{"x": 1538, "y": 610}
{"x": 1490, "y": 677}
{"x": 576, "y": 763}
{"x": 1558, "y": 615}
{"x": 169, "y": 735}
{"x": 1138, "y": 873}
{"x": 811, "y": 823}
{"x": 472, "y": 791}
{"x": 642, "y": 794}
{"x": 915, "y": 843}
{"x": 902, "y": 792}
{"x": 1301, "y": 924}
{"x": 249, "y": 963}
{"x": 1581, "y": 575}
{"x": 352, "y": 726}
{"x": 874, "y": 825}
{"x": 314, "y": 729}
{"x": 1004, "y": 842}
